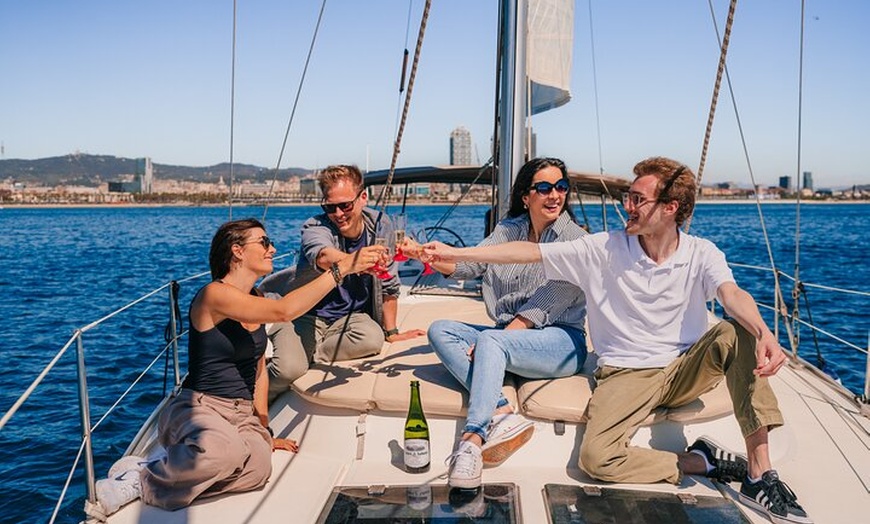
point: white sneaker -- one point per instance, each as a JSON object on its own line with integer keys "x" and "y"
{"x": 466, "y": 466}
{"x": 467, "y": 502}
{"x": 126, "y": 463}
{"x": 122, "y": 487}
{"x": 506, "y": 433}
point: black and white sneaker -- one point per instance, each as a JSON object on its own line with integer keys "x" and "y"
{"x": 773, "y": 497}
{"x": 727, "y": 466}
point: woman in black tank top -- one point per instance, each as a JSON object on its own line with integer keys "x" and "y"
{"x": 216, "y": 430}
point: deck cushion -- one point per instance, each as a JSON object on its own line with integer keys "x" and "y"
{"x": 566, "y": 398}
{"x": 380, "y": 382}
{"x": 343, "y": 385}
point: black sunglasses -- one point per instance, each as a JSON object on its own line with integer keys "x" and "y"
{"x": 545, "y": 187}
{"x": 344, "y": 206}
{"x": 264, "y": 241}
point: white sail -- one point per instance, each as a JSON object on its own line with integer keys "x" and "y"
{"x": 550, "y": 43}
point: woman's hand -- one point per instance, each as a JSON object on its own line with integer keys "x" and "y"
{"x": 285, "y": 444}
{"x": 434, "y": 252}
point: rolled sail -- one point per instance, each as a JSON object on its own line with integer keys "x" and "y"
{"x": 549, "y": 52}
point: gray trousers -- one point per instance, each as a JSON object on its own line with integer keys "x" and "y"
{"x": 309, "y": 339}
{"x": 213, "y": 445}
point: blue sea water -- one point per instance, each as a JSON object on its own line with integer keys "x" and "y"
{"x": 61, "y": 269}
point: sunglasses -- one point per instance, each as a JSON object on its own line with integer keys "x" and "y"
{"x": 636, "y": 199}
{"x": 345, "y": 207}
{"x": 545, "y": 188}
{"x": 264, "y": 241}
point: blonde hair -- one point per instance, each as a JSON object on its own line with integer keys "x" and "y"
{"x": 332, "y": 174}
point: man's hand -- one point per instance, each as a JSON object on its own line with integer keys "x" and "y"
{"x": 769, "y": 356}
{"x": 406, "y": 335}
{"x": 411, "y": 248}
{"x": 363, "y": 260}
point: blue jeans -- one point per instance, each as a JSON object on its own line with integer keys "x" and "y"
{"x": 550, "y": 352}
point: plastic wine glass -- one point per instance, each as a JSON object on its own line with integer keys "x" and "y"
{"x": 424, "y": 237}
{"x": 381, "y": 271}
{"x": 399, "y": 222}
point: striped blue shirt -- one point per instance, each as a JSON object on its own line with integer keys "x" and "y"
{"x": 522, "y": 289}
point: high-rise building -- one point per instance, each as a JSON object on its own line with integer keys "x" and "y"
{"x": 144, "y": 175}
{"x": 808, "y": 180}
{"x": 785, "y": 183}
{"x": 460, "y": 147}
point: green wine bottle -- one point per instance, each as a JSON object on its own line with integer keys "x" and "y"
{"x": 417, "y": 456}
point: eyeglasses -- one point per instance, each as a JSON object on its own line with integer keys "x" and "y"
{"x": 264, "y": 241}
{"x": 545, "y": 188}
{"x": 345, "y": 207}
{"x": 636, "y": 199}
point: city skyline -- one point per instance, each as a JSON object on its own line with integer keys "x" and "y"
{"x": 154, "y": 80}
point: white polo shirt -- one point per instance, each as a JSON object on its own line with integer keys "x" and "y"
{"x": 641, "y": 315}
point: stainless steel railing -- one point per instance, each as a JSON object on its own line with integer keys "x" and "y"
{"x": 791, "y": 322}
{"x": 87, "y": 429}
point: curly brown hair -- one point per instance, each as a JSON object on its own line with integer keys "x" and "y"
{"x": 675, "y": 182}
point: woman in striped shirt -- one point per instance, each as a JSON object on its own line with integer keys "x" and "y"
{"x": 539, "y": 324}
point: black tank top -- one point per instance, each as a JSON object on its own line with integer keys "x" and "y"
{"x": 222, "y": 361}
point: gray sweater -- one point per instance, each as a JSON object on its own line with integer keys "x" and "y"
{"x": 318, "y": 232}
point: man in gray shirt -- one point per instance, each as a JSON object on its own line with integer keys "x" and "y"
{"x": 355, "y": 319}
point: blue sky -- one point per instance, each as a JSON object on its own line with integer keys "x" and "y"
{"x": 153, "y": 79}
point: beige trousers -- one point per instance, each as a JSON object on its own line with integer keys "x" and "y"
{"x": 624, "y": 397}
{"x": 213, "y": 446}
{"x": 308, "y": 338}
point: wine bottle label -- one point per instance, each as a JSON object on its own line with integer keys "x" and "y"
{"x": 416, "y": 452}
{"x": 419, "y": 497}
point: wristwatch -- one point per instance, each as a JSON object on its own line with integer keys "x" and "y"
{"x": 336, "y": 273}
{"x": 390, "y": 332}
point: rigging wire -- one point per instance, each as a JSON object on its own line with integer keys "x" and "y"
{"x": 724, "y": 68}
{"x": 595, "y": 92}
{"x": 821, "y": 363}
{"x": 405, "y": 55}
{"x": 489, "y": 164}
{"x": 293, "y": 110}
{"x": 711, "y": 115}
{"x": 232, "y": 111}
{"x": 397, "y": 145}
{"x": 400, "y": 98}
{"x": 613, "y": 200}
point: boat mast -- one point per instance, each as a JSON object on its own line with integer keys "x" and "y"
{"x": 512, "y": 98}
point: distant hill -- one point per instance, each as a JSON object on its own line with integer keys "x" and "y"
{"x": 92, "y": 170}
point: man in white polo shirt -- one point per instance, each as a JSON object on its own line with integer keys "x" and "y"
{"x": 646, "y": 289}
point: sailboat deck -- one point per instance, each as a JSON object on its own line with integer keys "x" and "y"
{"x": 340, "y": 446}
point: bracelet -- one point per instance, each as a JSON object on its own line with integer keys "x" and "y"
{"x": 391, "y": 332}
{"x": 336, "y": 273}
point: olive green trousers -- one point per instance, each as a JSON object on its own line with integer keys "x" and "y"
{"x": 623, "y": 398}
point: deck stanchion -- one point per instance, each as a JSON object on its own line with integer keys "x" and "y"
{"x": 85, "y": 410}
{"x": 603, "y": 212}
{"x": 865, "y": 402}
{"x": 776, "y": 305}
{"x": 173, "y": 326}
